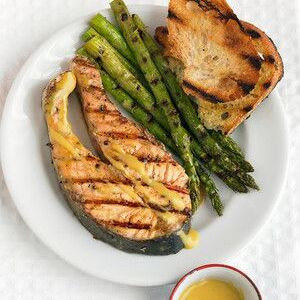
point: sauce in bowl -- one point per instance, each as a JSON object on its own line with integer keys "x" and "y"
{"x": 212, "y": 289}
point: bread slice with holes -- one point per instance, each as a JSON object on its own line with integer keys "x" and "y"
{"x": 228, "y": 65}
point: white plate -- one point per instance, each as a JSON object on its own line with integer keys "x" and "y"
{"x": 33, "y": 185}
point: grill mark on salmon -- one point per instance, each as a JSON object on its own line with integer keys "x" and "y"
{"x": 119, "y": 136}
{"x": 125, "y": 181}
{"x": 100, "y": 110}
{"x": 126, "y": 225}
{"x": 137, "y": 205}
{"x": 95, "y": 180}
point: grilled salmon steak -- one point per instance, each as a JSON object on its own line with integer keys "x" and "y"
{"x": 134, "y": 205}
{"x": 227, "y": 65}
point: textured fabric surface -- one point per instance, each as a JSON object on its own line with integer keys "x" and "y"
{"x": 28, "y": 270}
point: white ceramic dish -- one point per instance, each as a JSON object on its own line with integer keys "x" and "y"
{"x": 33, "y": 185}
{"x": 222, "y": 272}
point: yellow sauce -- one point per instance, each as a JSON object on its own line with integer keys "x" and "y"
{"x": 60, "y": 139}
{"x": 168, "y": 217}
{"x": 130, "y": 191}
{"x": 211, "y": 289}
{"x": 190, "y": 240}
{"x": 134, "y": 164}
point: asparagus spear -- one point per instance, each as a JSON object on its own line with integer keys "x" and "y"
{"x": 147, "y": 121}
{"x": 210, "y": 188}
{"x": 240, "y": 161}
{"x": 91, "y": 32}
{"x": 178, "y": 132}
{"x": 186, "y": 107}
{"x": 112, "y": 35}
{"x": 231, "y": 180}
{"x": 227, "y": 142}
{"x": 98, "y": 47}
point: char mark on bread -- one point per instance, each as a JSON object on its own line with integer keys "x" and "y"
{"x": 172, "y": 15}
{"x": 253, "y": 33}
{"x": 255, "y": 61}
{"x": 207, "y": 96}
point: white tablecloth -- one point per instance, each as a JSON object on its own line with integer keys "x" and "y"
{"x": 28, "y": 270}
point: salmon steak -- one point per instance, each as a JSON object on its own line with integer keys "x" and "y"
{"x": 136, "y": 196}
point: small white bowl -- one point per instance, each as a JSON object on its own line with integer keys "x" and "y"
{"x": 222, "y": 272}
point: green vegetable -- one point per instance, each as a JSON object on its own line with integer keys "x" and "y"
{"x": 210, "y": 188}
{"x": 91, "y": 32}
{"x": 112, "y": 35}
{"x": 227, "y": 142}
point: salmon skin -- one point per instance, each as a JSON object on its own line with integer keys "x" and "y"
{"x": 115, "y": 204}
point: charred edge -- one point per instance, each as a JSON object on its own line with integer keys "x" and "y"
{"x": 150, "y": 118}
{"x": 165, "y": 102}
{"x": 160, "y": 33}
{"x": 134, "y": 39}
{"x": 177, "y": 189}
{"x": 84, "y": 62}
{"x": 141, "y": 33}
{"x": 208, "y": 97}
{"x": 254, "y": 34}
{"x": 207, "y": 5}
{"x": 155, "y": 81}
{"x": 278, "y": 60}
{"x": 102, "y": 110}
{"x": 127, "y": 225}
{"x": 246, "y": 87}
{"x": 153, "y": 206}
{"x": 124, "y": 17}
{"x": 151, "y": 159}
{"x": 266, "y": 85}
{"x": 164, "y": 30}
{"x": 172, "y": 15}
{"x": 93, "y": 89}
{"x": 225, "y": 115}
{"x": 96, "y": 180}
{"x": 114, "y": 202}
{"x": 255, "y": 61}
{"x": 121, "y": 136}
{"x": 89, "y": 157}
{"x": 248, "y": 108}
{"x": 270, "y": 59}
{"x": 50, "y": 145}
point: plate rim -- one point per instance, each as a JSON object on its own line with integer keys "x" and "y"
{"x": 5, "y": 167}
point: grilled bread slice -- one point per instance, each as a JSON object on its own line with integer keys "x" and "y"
{"x": 228, "y": 65}
{"x": 109, "y": 204}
